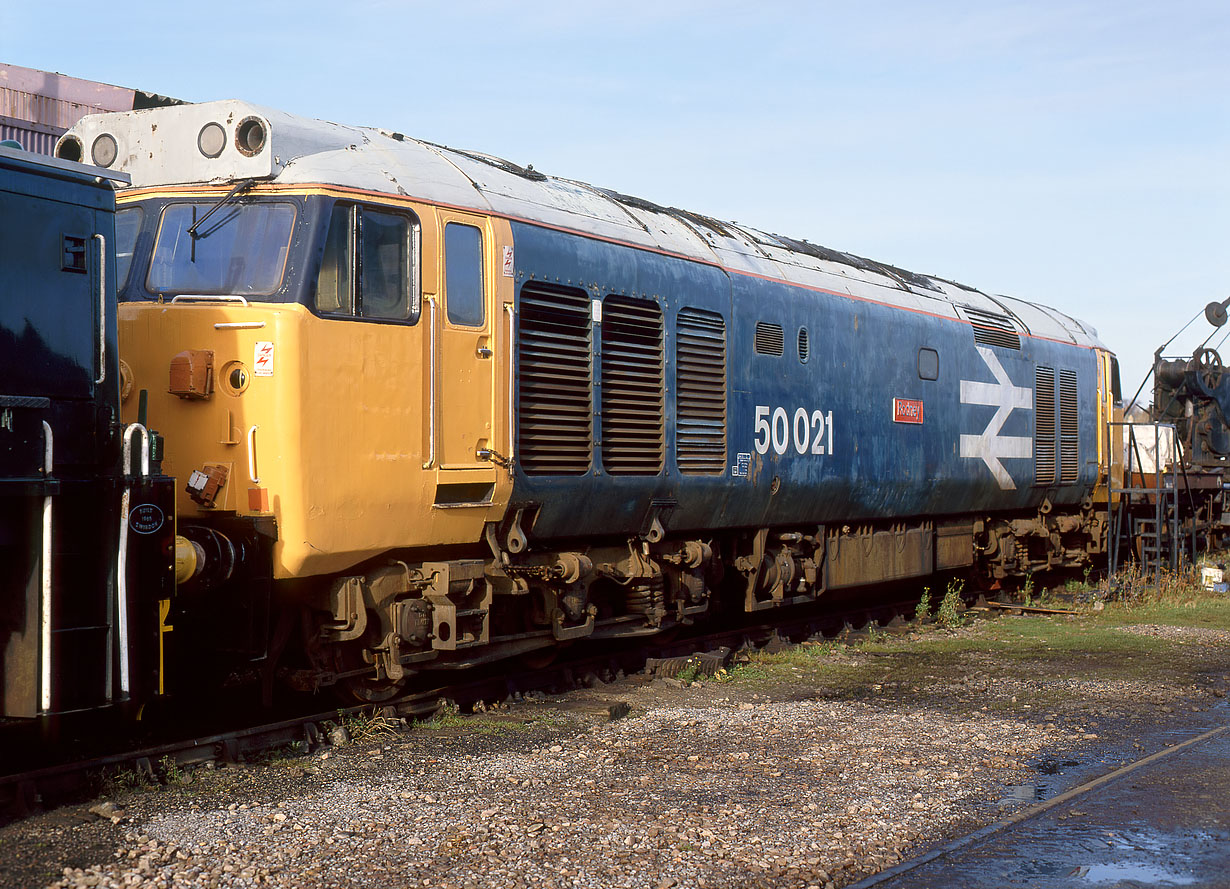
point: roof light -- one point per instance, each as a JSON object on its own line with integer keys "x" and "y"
{"x": 104, "y": 151}
{"x": 211, "y": 140}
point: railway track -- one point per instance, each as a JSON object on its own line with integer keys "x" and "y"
{"x": 64, "y": 774}
{"x": 954, "y": 848}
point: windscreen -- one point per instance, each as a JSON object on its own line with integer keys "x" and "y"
{"x": 241, "y": 249}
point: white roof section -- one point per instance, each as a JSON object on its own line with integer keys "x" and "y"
{"x": 160, "y": 146}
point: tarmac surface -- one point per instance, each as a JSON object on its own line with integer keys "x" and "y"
{"x": 1161, "y": 821}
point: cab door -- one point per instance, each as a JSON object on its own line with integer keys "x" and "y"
{"x": 466, "y": 359}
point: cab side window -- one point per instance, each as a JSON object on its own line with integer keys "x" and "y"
{"x": 463, "y": 275}
{"x": 370, "y": 265}
{"x": 333, "y": 288}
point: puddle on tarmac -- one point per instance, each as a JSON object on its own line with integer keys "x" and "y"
{"x": 1145, "y": 874}
{"x": 1167, "y": 856}
{"x": 1052, "y": 766}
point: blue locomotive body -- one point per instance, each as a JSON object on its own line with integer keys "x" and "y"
{"x": 835, "y": 408}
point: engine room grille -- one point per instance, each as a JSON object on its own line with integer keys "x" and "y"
{"x": 992, "y": 329}
{"x": 1069, "y": 428}
{"x": 1044, "y": 426}
{"x": 770, "y": 339}
{"x": 700, "y": 392}
{"x": 633, "y": 387}
{"x": 554, "y": 398}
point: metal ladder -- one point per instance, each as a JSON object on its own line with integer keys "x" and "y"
{"x": 1145, "y": 526}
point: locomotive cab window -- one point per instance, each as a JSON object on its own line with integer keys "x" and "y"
{"x": 240, "y": 249}
{"x": 127, "y": 227}
{"x": 369, "y": 268}
{"x": 463, "y": 275}
{"x": 928, "y": 364}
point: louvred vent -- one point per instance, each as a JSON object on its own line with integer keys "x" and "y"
{"x": 633, "y": 387}
{"x": 991, "y": 329}
{"x": 1044, "y": 426}
{"x": 554, "y": 396}
{"x": 1069, "y": 428}
{"x": 770, "y": 340}
{"x": 700, "y": 392}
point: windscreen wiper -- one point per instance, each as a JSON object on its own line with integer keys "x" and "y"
{"x": 230, "y": 196}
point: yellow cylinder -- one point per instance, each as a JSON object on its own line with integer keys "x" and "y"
{"x": 187, "y": 559}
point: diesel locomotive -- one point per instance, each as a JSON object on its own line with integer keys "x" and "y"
{"x": 429, "y": 408}
{"x": 86, "y": 521}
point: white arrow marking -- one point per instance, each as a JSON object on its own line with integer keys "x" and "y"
{"x": 990, "y": 446}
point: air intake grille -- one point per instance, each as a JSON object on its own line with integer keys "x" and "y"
{"x": 804, "y": 345}
{"x": 1069, "y": 428}
{"x": 991, "y": 329}
{"x": 770, "y": 340}
{"x": 700, "y": 392}
{"x": 1044, "y": 426}
{"x": 554, "y": 400}
{"x": 633, "y": 387}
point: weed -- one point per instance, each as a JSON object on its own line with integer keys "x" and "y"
{"x": 949, "y": 614}
{"x": 1132, "y": 587}
{"x": 923, "y": 611}
{"x": 876, "y": 635}
{"x": 120, "y": 781}
{"x": 1027, "y": 591}
{"x": 689, "y": 673}
{"x": 447, "y": 715}
{"x": 171, "y": 771}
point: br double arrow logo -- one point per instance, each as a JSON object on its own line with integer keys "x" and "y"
{"x": 990, "y": 446}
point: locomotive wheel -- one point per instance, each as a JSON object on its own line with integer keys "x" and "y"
{"x": 540, "y": 658}
{"x": 363, "y": 689}
{"x": 370, "y": 691}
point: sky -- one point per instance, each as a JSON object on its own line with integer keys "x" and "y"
{"x": 1075, "y": 154}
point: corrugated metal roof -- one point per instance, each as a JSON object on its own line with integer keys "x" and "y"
{"x": 36, "y": 107}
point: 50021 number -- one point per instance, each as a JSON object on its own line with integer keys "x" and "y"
{"x": 808, "y": 431}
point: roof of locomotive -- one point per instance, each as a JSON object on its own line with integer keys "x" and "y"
{"x": 168, "y": 146}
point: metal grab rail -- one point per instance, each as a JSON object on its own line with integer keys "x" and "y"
{"x": 121, "y": 582}
{"x": 102, "y": 308}
{"x": 44, "y": 620}
{"x": 431, "y": 385}
{"x": 256, "y": 480}
{"x": 205, "y": 297}
{"x": 512, "y": 380}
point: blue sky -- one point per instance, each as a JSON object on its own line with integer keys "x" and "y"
{"x": 1075, "y": 154}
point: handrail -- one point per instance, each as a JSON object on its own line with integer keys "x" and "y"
{"x": 512, "y": 359}
{"x": 431, "y": 385}
{"x": 252, "y": 454}
{"x": 44, "y": 621}
{"x": 133, "y": 429}
{"x": 102, "y": 307}
{"x": 121, "y": 581}
{"x": 205, "y": 297}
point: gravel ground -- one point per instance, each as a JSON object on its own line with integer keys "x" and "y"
{"x": 712, "y": 785}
